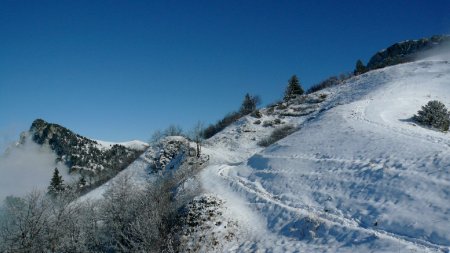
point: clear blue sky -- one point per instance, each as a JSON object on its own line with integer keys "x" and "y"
{"x": 117, "y": 70}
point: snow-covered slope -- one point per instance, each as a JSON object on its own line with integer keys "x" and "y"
{"x": 358, "y": 176}
{"x": 135, "y": 144}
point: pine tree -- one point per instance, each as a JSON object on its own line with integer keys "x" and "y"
{"x": 56, "y": 183}
{"x": 249, "y": 104}
{"x": 360, "y": 68}
{"x": 294, "y": 88}
{"x": 434, "y": 114}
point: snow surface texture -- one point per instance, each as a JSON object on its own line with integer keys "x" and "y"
{"x": 358, "y": 177}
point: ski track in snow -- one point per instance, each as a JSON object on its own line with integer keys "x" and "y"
{"x": 361, "y": 107}
{"x": 316, "y": 213}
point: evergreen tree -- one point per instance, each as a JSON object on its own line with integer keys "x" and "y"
{"x": 249, "y": 104}
{"x": 360, "y": 68}
{"x": 294, "y": 88}
{"x": 56, "y": 183}
{"x": 434, "y": 114}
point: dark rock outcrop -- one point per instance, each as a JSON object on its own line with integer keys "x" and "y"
{"x": 406, "y": 51}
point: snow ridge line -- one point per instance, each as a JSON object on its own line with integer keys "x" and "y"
{"x": 326, "y": 217}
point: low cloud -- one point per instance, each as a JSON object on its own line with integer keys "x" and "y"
{"x": 27, "y": 167}
{"x": 8, "y": 136}
{"x": 438, "y": 53}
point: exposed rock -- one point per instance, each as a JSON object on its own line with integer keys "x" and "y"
{"x": 405, "y": 51}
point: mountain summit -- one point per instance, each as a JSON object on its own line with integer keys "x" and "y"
{"x": 96, "y": 161}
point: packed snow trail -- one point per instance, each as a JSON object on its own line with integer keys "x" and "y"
{"x": 358, "y": 177}
{"x": 319, "y": 214}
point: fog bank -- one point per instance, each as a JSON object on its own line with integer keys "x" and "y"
{"x": 27, "y": 167}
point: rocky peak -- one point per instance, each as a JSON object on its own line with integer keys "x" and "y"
{"x": 82, "y": 155}
{"x": 406, "y": 51}
{"x": 53, "y": 134}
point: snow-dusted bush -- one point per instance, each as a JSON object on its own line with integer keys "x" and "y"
{"x": 256, "y": 114}
{"x": 23, "y": 224}
{"x": 270, "y": 110}
{"x": 277, "y": 135}
{"x": 433, "y": 114}
{"x": 281, "y": 107}
{"x": 267, "y": 123}
{"x": 270, "y": 123}
{"x": 40, "y": 223}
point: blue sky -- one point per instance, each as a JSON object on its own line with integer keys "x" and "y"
{"x": 118, "y": 70}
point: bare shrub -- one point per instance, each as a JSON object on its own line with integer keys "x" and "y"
{"x": 128, "y": 219}
{"x": 277, "y": 135}
{"x": 24, "y": 224}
